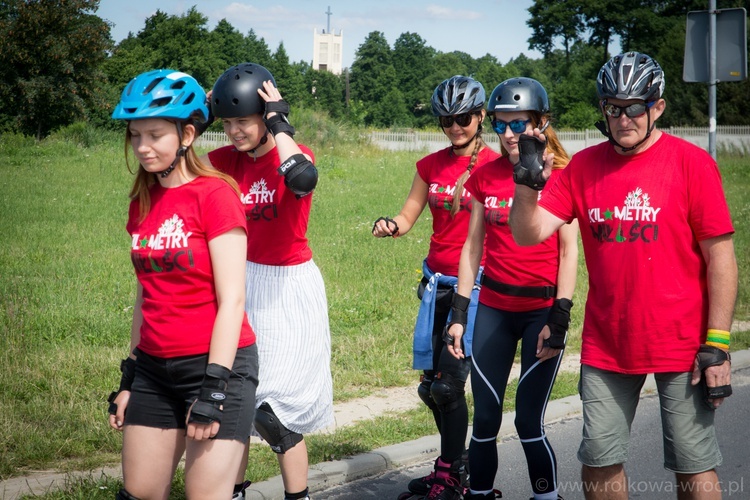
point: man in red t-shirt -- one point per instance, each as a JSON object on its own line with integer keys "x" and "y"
{"x": 657, "y": 237}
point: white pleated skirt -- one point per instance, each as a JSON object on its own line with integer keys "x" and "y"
{"x": 288, "y": 310}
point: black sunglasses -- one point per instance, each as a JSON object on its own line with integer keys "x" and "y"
{"x": 463, "y": 120}
{"x": 631, "y": 111}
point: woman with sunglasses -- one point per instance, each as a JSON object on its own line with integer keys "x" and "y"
{"x": 525, "y": 296}
{"x": 458, "y": 102}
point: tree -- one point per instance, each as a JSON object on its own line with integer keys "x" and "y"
{"x": 50, "y": 52}
{"x": 373, "y": 83}
{"x": 552, "y": 19}
{"x": 411, "y": 60}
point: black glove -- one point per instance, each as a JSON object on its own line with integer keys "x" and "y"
{"x": 127, "y": 367}
{"x": 459, "y": 315}
{"x": 558, "y": 323}
{"x": 279, "y": 123}
{"x": 712, "y": 356}
{"x": 388, "y": 221}
{"x": 528, "y": 170}
{"x": 207, "y": 408}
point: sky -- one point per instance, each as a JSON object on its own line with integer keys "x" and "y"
{"x": 480, "y": 27}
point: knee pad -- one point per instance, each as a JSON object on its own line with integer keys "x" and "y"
{"x": 447, "y": 392}
{"x": 273, "y": 431}
{"x": 124, "y": 495}
{"x": 423, "y": 390}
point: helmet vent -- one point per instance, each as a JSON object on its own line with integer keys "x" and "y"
{"x": 150, "y": 87}
{"x": 178, "y": 84}
{"x": 158, "y": 103}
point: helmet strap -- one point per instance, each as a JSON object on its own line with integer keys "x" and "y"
{"x": 469, "y": 142}
{"x": 178, "y": 156}
{"x": 604, "y": 129}
{"x": 262, "y": 142}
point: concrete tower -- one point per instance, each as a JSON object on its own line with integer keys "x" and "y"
{"x": 327, "y": 48}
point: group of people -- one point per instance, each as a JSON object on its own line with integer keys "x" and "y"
{"x": 230, "y": 328}
{"x": 501, "y": 270}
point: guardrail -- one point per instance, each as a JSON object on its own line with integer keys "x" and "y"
{"x": 731, "y": 137}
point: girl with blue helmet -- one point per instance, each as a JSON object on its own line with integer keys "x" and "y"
{"x": 188, "y": 383}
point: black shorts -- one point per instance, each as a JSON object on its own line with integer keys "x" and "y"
{"x": 164, "y": 389}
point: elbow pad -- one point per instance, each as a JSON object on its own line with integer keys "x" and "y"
{"x": 300, "y": 175}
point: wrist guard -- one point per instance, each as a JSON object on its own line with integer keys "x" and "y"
{"x": 558, "y": 323}
{"x": 300, "y": 175}
{"x": 712, "y": 356}
{"x": 207, "y": 408}
{"x": 127, "y": 367}
{"x": 530, "y": 167}
{"x": 279, "y": 123}
{"x": 388, "y": 221}
{"x": 459, "y": 315}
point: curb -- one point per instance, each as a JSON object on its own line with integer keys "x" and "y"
{"x": 329, "y": 474}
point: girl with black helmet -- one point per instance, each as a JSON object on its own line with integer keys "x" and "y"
{"x": 193, "y": 364}
{"x": 285, "y": 293}
{"x": 458, "y": 102}
{"x": 525, "y": 296}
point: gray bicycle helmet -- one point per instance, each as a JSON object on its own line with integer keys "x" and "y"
{"x": 631, "y": 75}
{"x": 457, "y": 95}
{"x": 235, "y": 93}
{"x": 519, "y": 94}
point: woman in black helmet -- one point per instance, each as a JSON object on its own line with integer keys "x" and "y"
{"x": 285, "y": 296}
{"x": 458, "y": 102}
{"x": 525, "y": 298}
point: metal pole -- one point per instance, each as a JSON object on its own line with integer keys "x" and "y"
{"x": 712, "y": 78}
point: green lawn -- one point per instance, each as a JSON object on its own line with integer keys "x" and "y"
{"x": 67, "y": 290}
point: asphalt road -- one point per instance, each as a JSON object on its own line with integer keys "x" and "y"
{"x": 647, "y": 479}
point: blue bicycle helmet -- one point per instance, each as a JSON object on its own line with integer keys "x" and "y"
{"x": 162, "y": 93}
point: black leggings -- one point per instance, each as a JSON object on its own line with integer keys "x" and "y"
{"x": 496, "y": 336}
{"x": 452, "y": 424}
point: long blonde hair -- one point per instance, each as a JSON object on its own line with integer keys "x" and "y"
{"x": 144, "y": 179}
{"x": 553, "y": 142}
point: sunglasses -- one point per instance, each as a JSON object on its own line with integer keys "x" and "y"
{"x": 631, "y": 111}
{"x": 516, "y": 126}
{"x": 463, "y": 120}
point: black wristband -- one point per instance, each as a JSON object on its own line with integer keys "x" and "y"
{"x": 207, "y": 408}
{"x": 278, "y": 124}
{"x": 127, "y": 367}
{"x": 558, "y": 323}
{"x": 530, "y": 167}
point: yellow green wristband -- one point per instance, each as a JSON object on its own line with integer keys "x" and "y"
{"x": 718, "y": 338}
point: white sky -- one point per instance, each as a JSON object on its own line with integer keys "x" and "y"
{"x": 496, "y": 27}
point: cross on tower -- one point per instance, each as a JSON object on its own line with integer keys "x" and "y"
{"x": 328, "y": 12}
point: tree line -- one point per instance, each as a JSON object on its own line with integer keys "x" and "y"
{"x": 61, "y": 66}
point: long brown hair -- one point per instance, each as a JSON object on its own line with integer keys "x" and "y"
{"x": 478, "y": 144}
{"x": 144, "y": 180}
{"x": 553, "y": 142}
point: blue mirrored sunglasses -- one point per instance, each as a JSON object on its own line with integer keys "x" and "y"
{"x": 516, "y": 126}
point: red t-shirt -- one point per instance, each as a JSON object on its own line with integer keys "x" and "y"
{"x": 276, "y": 219}
{"x": 641, "y": 219}
{"x": 169, "y": 251}
{"x": 440, "y": 171}
{"x": 506, "y": 262}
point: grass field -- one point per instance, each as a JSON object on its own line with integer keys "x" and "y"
{"x": 67, "y": 291}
